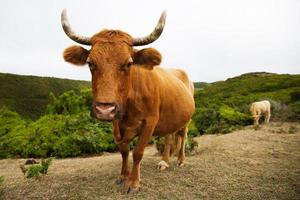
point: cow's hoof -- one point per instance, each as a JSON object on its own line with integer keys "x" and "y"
{"x": 180, "y": 164}
{"x": 132, "y": 190}
{"x": 162, "y": 165}
{"x": 120, "y": 181}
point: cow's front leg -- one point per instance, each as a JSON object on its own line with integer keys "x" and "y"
{"x": 133, "y": 182}
{"x": 124, "y": 150}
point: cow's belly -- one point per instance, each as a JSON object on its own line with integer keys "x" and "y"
{"x": 174, "y": 116}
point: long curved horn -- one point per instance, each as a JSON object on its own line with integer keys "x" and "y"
{"x": 154, "y": 35}
{"x": 70, "y": 33}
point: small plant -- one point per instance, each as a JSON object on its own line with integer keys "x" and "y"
{"x": 190, "y": 145}
{"x": 36, "y": 170}
{"x": 45, "y": 165}
{"x": 1, "y": 180}
{"x": 292, "y": 130}
{"x": 33, "y": 171}
{"x": 256, "y": 127}
{"x": 1, "y": 188}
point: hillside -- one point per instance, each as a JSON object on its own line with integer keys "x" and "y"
{"x": 252, "y": 87}
{"x": 200, "y": 85}
{"x": 223, "y": 105}
{"x": 245, "y": 164}
{"x": 29, "y": 95}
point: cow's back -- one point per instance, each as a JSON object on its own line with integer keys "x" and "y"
{"x": 181, "y": 75}
{"x": 260, "y": 106}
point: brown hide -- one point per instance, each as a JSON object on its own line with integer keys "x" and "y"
{"x": 140, "y": 98}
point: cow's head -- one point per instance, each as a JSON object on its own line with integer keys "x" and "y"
{"x": 110, "y": 60}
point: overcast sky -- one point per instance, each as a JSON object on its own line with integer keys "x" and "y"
{"x": 211, "y": 39}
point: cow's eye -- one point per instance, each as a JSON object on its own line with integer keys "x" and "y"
{"x": 126, "y": 66}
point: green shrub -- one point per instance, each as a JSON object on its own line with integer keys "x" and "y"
{"x": 1, "y": 186}
{"x": 70, "y": 102}
{"x": 295, "y": 107}
{"x": 9, "y": 120}
{"x": 58, "y": 135}
{"x": 233, "y": 117}
{"x": 190, "y": 145}
{"x": 193, "y": 131}
{"x": 36, "y": 170}
{"x": 219, "y": 119}
{"x": 45, "y": 163}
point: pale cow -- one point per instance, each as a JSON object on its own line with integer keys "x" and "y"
{"x": 260, "y": 108}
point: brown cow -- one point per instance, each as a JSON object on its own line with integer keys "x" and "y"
{"x": 129, "y": 89}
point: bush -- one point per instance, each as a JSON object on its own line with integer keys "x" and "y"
{"x": 295, "y": 107}
{"x": 283, "y": 112}
{"x": 190, "y": 145}
{"x": 70, "y": 102}
{"x": 1, "y": 184}
{"x": 9, "y": 120}
{"x": 219, "y": 119}
{"x": 193, "y": 131}
{"x": 36, "y": 170}
{"x": 33, "y": 171}
{"x": 58, "y": 135}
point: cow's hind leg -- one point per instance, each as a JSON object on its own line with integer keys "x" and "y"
{"x": 181, "y": 135}
{"x": 164, "y": 163}
{"x": 267, "y": 116}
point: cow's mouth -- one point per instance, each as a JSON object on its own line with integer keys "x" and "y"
{"x": 106, "y": 117}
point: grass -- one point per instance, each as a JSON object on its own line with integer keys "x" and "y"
{"x": 245, "y": 164}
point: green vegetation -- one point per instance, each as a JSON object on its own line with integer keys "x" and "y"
{"x": 67, "y": 130}
{"x": 29, "y": 95}
{"x": 224, "y": 105}
{"x": 1, "y": 186}
{"x": 200, "y": 85}
{"x": 56, "y": 135}
{"x": 36, "y": 170}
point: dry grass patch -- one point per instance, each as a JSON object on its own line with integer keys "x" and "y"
{"x": 246, "y": 164}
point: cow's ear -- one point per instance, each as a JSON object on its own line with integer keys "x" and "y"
{"x": 148, "y": 57}
{"x": 76, "y": 55}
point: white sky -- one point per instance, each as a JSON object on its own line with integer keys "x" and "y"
{"x": 211, "y": 39}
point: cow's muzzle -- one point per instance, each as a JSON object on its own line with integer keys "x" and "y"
{"x": 104, "y": 111}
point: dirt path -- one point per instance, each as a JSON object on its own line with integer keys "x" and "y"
{"x": 246, "y": 164}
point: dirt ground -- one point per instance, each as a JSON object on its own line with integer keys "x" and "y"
{"x": 246, "y": 164}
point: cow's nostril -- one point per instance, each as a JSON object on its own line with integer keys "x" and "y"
{"x": 104, "y": 104}
{"x": 105, "y": 109}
